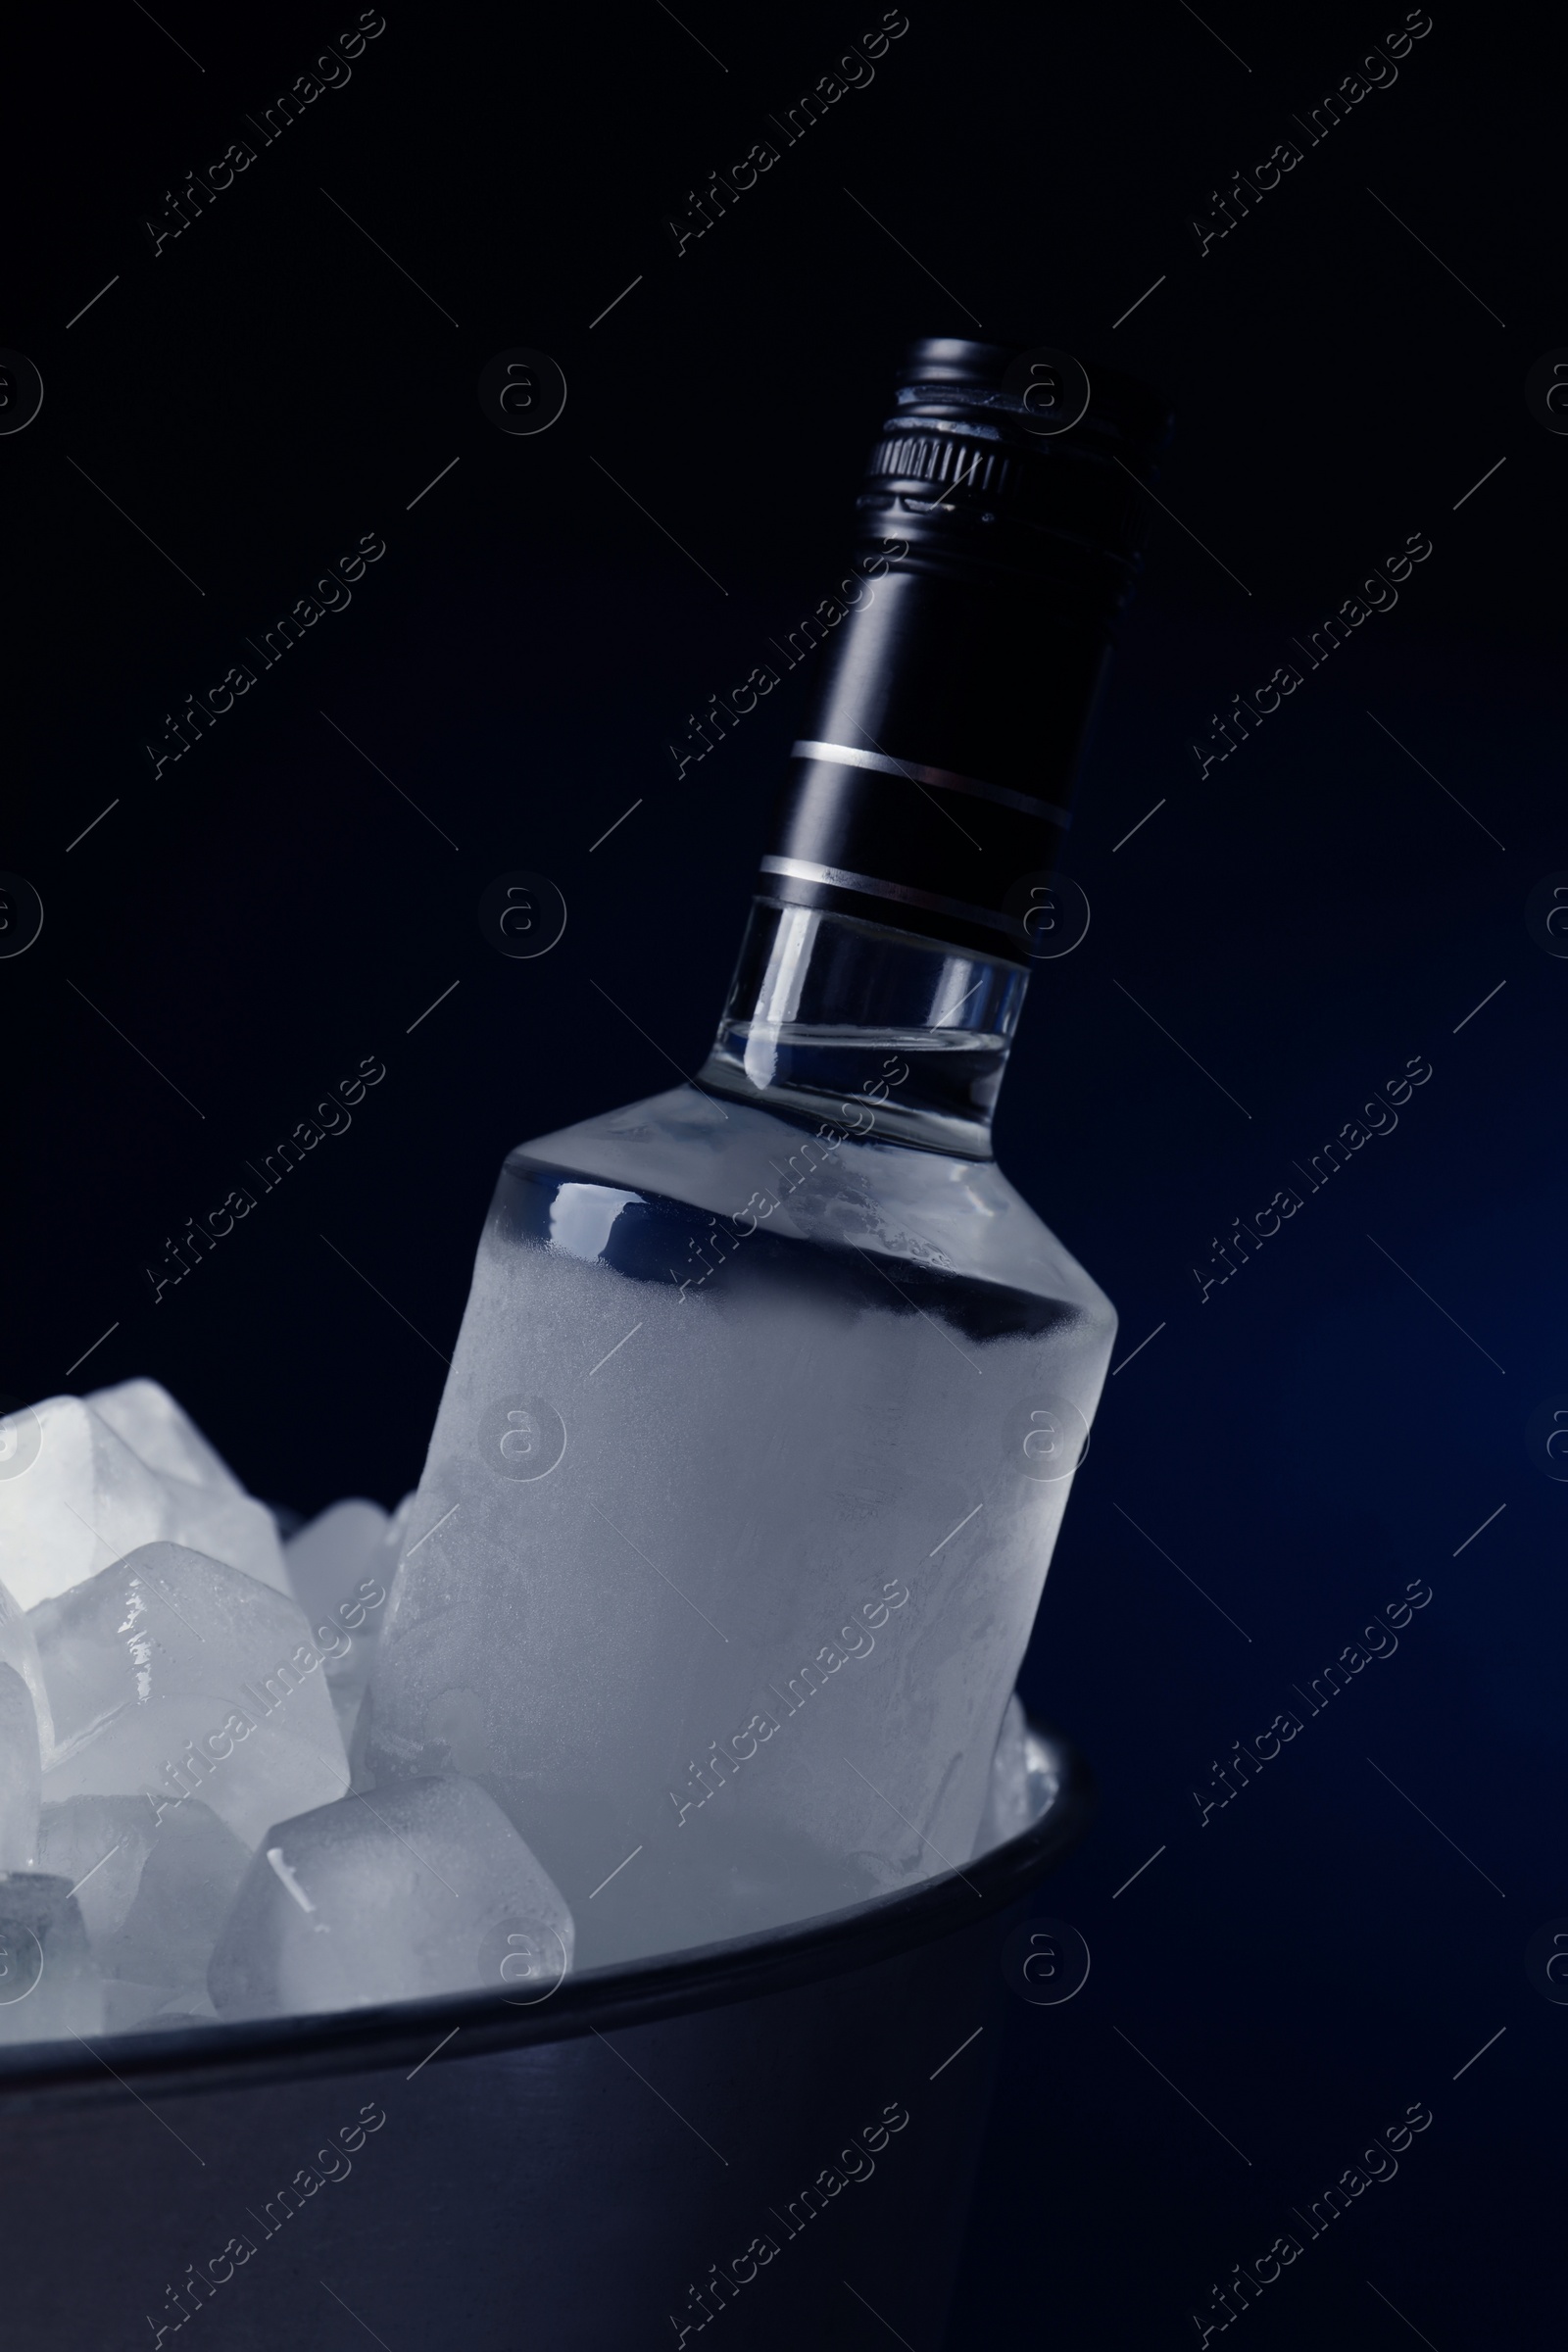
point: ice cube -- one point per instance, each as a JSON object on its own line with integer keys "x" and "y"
{"x": 333, "y": 1552}
{"x": 172, "y": 1676}
{"x": 152, "y": 1424}
{"x": 168, "y": 1623}
{"x": 81, "y": 1501}
{"x": 341, "y": 1566}
{"x": 1009, "y": 1803}
{"x": 87, "y": 1498}
{"x": 18, "y": 1648}
{"x": 420, "y": 1888}
{"x": 98, "y": 1844}
{"x": 234, "y": 1528}
{"x": 19, "y": 1771}
{"x": 49, "y": 1984}
{"x": 187, "y": 1890}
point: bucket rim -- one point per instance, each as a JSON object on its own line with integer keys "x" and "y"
{"x": 255, "y": 2051}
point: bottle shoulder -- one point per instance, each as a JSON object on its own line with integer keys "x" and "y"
{"x": 823, "y": 1185}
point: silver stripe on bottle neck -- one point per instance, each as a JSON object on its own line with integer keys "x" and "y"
{"x": 802, "y": 869}
{"x": 945, "y": 779}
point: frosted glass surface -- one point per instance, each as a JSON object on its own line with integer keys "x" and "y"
{"x": 732, "y": 1531}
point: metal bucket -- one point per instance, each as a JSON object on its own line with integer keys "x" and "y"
{"x": 773, "y": 2137}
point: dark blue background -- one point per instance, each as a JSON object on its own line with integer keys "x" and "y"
{"x": 1303, "y": 920}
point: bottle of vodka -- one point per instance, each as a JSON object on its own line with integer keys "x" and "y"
{"x": 770, "y": 1389}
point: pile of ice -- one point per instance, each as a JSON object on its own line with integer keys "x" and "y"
{"x": 183, "y": 1835}
{"x": 181, "y": 1838}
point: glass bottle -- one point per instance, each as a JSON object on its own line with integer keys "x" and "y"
{"x": 766, "y": 1401}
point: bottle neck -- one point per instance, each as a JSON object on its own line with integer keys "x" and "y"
{"x": 895, "y": 1036}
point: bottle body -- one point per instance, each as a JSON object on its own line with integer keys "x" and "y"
{"x": 756, "y": 1440}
